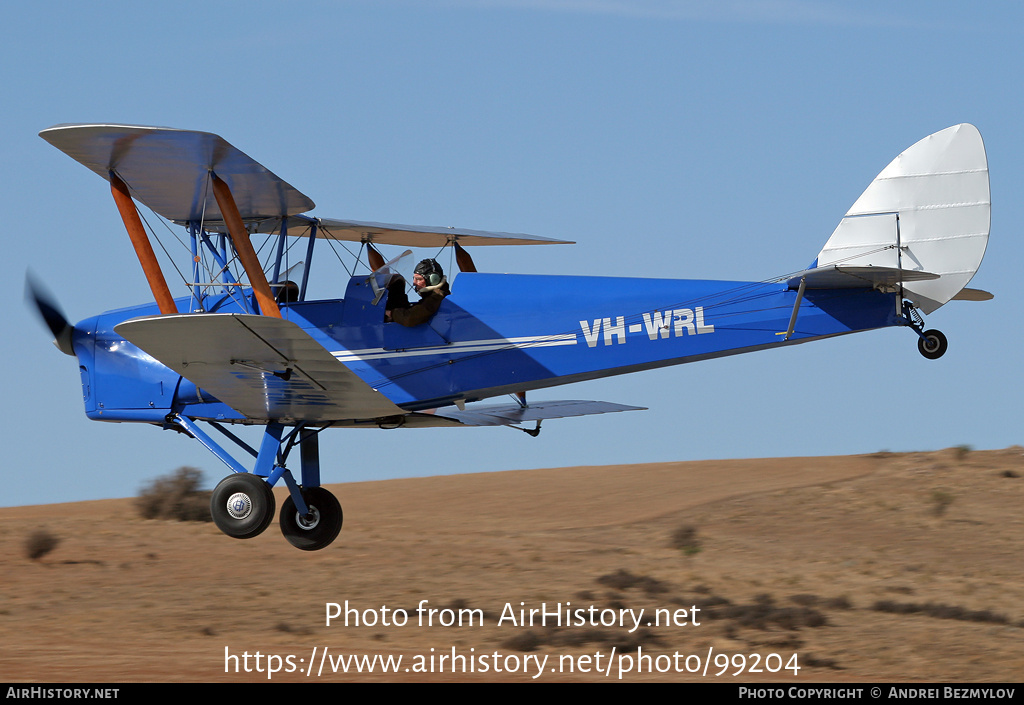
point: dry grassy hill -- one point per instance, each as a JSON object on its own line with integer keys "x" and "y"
{"x": 901, "y": 567}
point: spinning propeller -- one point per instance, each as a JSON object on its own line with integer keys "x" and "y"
{"x": 51, "y": 314}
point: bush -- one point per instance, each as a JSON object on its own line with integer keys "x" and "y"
{"x": 176, "y": 496}
{"x": 940, "y": 502}
{"x": 685, "y": 539}
{"x": 39, "y": 543}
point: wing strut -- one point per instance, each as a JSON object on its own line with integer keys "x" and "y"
{"x": 143, "y": 248}
{"x": 243, "y": 246}
{"x": 796, "y": 309}
{"x": 375, "y": 258}
{"x": 463, "y": 259}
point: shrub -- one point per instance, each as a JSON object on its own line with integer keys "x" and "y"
{"x": 39, "y": 543}
{"x": 619, "y": 580}
{"x": 523, "y": 641}
{"x": 176, "y": 496}
{"x": 685, "y": 539}
{"x": 941, "y": 611}
{"x": 940, "y": 502}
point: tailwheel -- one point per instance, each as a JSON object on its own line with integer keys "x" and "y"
{"x": 932, "y": 344}
{"x": 317, "y": 529}
{"x": 242, "y": 505}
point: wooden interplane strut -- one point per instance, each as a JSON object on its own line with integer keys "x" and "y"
{"x": 244, "y": 248}
{"x": 143, "y": 248}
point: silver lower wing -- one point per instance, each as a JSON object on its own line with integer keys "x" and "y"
{"x": 265, "y": 368}
{"x": 511, "y": 414}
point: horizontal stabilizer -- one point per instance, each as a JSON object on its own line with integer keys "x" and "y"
{"x": 839, "y": 277}
{"x": 169, "y": 170}
{"x": 973, "y": 295}
{"x": 510, "y": 414}
{"x": 266, "y": 368}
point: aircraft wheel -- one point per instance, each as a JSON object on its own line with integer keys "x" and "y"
{"x": 242, "y": 505}
{"x": 317, "y": 529}
{"x": 933, "y": 345}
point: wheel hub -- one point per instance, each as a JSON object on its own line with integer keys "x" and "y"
{"x": 239, "y": 505}
{"x": 309, "y": 521}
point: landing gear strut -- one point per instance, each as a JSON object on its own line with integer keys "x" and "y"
{"x": 243, "y": 504}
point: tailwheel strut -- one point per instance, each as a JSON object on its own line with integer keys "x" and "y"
{"x": 931, "y": 343}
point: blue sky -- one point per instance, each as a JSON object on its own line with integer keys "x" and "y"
{"x": 718, "y": 140}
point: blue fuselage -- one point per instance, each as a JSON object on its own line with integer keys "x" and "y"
{"x": 495, "y": 333}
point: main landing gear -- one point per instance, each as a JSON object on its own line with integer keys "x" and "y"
{"x": 243, "y": 507}
{"x": 243, "y": 503}
{"x": 316, "y": 529}
{"x": 931, "y": 343}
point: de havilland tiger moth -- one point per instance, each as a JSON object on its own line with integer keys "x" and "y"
{"x": 245, "y": 345}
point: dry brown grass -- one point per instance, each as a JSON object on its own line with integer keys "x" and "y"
{"x": 843, "y": 561}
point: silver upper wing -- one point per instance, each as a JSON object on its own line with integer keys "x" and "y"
{"x": 169, "y": 170}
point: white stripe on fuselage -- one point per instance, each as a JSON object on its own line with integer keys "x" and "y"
{"x": 489, "y": 345}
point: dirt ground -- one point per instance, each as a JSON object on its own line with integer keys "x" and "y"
{"x": 886, "y": 567}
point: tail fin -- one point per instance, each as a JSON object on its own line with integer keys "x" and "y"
{"x": 929, "y": 211}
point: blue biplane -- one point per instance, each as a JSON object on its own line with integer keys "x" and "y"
{"x": 246, "y": 346}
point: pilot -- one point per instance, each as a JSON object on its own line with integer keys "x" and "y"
{"x": 429, "y": 282}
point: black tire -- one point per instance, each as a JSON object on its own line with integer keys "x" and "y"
{"x": 933, "y": 345}
{"x": 242, "y": 505}
{"x": 322, "y": 526}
